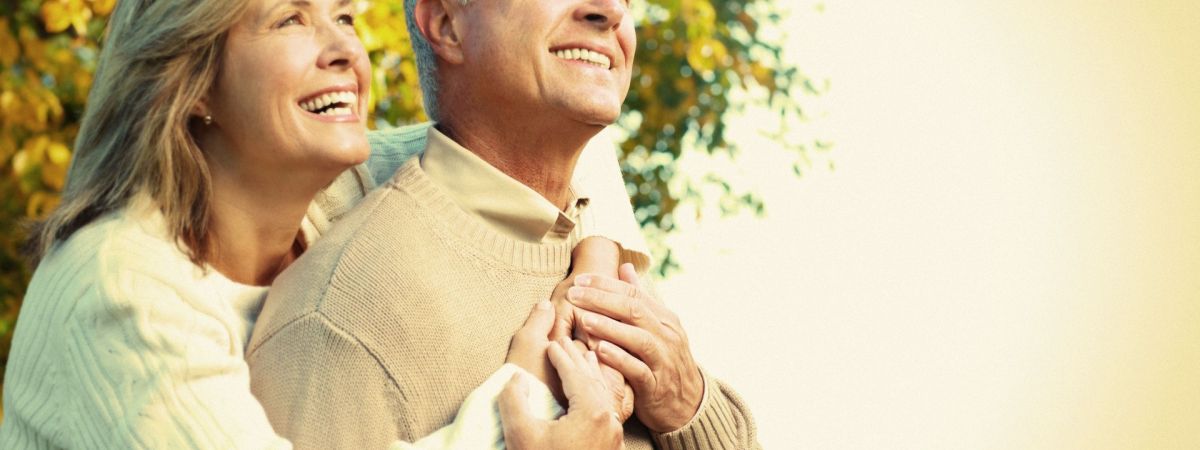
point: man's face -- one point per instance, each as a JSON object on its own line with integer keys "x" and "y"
{"x": 566, "y": 58}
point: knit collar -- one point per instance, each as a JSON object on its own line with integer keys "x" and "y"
{"x": 502, "y": 202}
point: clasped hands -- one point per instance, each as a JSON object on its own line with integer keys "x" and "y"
{"x": 632, "y": 357}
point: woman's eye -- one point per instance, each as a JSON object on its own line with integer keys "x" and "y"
{"x": 345, "y": 19}
{"x": 291, "y": 20}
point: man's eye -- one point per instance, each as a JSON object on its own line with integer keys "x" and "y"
{"x": 345, "y": 19}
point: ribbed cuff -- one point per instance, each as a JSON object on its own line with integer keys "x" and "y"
{"x": 713, "y": 426}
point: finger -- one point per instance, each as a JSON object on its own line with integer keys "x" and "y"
{"x": 633, "y": 339}
{"x": 611, "y": 285}
{"x": 575, "y": 350}
{"x": 618, "y": 306}
{"x": 574, "y": 383}
{"x": 564, "y": 317}
{"x": 560, "y": 359}
{"x": 515, "y": 415}
{"x": 628, "y": 274}
{"x": 593, "y": 365}
{"x": 537, "y": 326}
{"x": 636, "y": 372}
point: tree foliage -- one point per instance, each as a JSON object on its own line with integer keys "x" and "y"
{"x": 692, "y": 54}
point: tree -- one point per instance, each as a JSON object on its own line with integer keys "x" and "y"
{"x": 691, "y": 55}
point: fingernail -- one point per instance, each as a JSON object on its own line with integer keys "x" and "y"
{"x": 589, "y": 321}
{"x": 543, "y": 305}
{"x": 583, "y": 280}
{"x": 574, "y": 293}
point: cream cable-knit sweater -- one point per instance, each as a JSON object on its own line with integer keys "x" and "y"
{"x": 385, "y": 325}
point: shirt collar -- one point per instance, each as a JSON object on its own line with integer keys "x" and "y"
{"x": 503, "y": 202}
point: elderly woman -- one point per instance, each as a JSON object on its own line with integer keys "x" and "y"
{"x": 210, "y": 128}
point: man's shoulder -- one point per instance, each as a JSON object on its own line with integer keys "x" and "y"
{"x": 351, "y": 266}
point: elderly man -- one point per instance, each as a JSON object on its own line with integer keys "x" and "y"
{"x": 386, "y": 324}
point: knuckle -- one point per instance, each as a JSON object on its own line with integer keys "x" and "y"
{"x": 648, "y": 346}
{"x": 636, "y": 311}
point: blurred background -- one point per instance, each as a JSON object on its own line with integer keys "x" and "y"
{"x": 919, "y": 224}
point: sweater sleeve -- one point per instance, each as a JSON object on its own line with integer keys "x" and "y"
{"x": 477, "y": 424}
{"x": 150, "y": 370}
{"x": 304, "y": 398}
{"x": 722, "y": 422}
{"x": 609, "y": 213}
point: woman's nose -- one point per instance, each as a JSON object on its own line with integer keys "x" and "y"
{"x": 341, "y": 46}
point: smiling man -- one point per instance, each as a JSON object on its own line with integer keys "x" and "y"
{"x": 385, "y": 325}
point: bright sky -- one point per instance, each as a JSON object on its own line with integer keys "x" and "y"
{"x": 1008, "y": 252}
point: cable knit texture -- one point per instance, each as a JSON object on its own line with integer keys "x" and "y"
{"x": 123, "y": 343}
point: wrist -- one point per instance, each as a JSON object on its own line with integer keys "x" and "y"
{"x": 596, "y": 255}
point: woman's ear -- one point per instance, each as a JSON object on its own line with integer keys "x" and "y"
{"x": 200, "y": 109}
{"x": 436, "y": 20}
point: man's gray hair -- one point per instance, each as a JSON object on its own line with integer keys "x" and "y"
{"x": 426, "y": 60}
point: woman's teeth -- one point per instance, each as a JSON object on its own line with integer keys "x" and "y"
{"x": 585, "y": 55}
{"x": 331, "y": 104}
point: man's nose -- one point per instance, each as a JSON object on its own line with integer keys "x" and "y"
{"x": 603, "y": 14}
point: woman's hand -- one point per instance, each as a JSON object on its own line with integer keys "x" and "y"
{"x": 591, "y": 421}
{"x": 528, "y": 351}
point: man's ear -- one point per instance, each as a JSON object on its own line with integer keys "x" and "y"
{"x": 436, "y": 20}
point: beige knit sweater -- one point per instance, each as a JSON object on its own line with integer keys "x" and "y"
{"x": 385, "y": 325}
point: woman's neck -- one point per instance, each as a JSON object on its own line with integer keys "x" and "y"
{"x": 256, "y": 223}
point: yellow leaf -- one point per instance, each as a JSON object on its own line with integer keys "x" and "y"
{"x": 20, "y": 163}
{"x": 58, "y": 154}
{"x": 80, "y": 14}
{"x": 34, "y": 49}
{"x": 103, "y": 7}
{"x": 40, "y": 203}
{"x": 61, "y": 14}
{"x": 54, "y": 176}
{"x": 704, "y": 54}
{"x": 9, "y": 49}
{"x": 7, "y": 147}
{"x": 56, "y": 16}
{"x": 8, "y": 103}
{"x": 35, "y": 149}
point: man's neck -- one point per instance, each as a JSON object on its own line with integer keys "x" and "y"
{"x": 541, "y": 159}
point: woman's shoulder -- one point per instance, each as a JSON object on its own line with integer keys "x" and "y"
{"x": 123, "y": 253}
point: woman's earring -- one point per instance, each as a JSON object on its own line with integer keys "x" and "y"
{"x": 207, "y": 120}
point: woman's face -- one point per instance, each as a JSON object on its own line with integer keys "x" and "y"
{"x": 292, "y": 90}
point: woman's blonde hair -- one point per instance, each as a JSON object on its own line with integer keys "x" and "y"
{"x": 160, "y": 58}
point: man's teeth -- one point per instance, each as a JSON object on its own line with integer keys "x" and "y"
{"x": 316, "y": 104}
{"x": 585, "y": 55}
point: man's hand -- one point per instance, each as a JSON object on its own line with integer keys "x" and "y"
{"x": 528, "y": 351}
{"x": 651, "y": 347}
{"x": 590, "y": 423}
